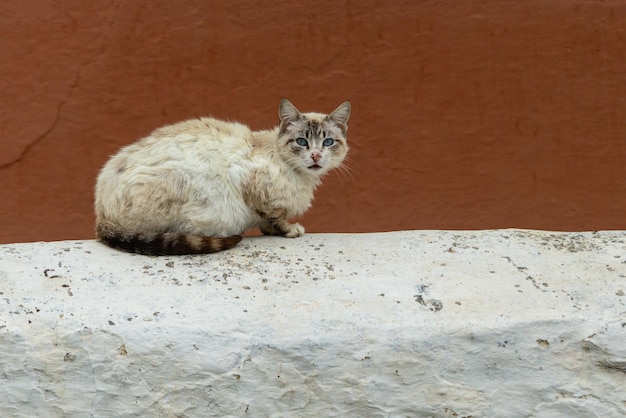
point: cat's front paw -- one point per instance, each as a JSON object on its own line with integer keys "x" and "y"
{"x": 294, "y": 231}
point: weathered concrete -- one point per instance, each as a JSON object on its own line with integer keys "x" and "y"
{"x": 504, "y": 323}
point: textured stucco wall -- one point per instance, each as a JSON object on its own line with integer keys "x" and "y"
{"x": 478, "y": 114}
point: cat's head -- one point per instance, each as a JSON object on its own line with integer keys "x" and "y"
{"x": 313, "y": 143}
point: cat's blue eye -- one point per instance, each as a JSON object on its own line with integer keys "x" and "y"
{"x": 302, "y": 142}
{"x": 328, "y": 142}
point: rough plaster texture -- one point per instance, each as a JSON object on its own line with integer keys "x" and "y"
{"x": 466, "y": 114}
{"x": 507, "y": 323}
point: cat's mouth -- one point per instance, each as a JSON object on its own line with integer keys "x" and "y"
{"x": 315, "y": 167}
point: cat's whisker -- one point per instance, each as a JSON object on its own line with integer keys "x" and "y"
{"x": 345, "y": 172}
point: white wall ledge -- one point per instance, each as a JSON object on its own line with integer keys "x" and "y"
{"x": 506, "y": 323}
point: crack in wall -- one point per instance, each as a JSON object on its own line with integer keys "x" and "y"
{"x": 50, "y": 129}
{"x": 73, "y": 85}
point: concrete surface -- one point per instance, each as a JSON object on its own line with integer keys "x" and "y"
{"x": 506, "y": 323}
{"x": 465, "y": 114}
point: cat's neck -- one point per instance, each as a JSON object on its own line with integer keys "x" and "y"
{"x": 264, "y": 141}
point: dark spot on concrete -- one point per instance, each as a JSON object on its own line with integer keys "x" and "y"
{"x": 543, "y": 343}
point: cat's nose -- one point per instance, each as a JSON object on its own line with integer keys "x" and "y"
{"x": 316, "y": 156}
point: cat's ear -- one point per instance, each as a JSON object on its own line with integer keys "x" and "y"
{"x": 287, "y": 113}
{"x": 340, "y": 116}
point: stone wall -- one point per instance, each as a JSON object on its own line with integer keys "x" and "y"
{"x": 505, "y": 323}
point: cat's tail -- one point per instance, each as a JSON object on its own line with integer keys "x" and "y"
{"x": 159, "y": 243}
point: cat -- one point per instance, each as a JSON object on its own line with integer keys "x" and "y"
{"x": 194, "y": 187}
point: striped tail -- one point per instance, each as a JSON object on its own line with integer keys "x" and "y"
{"x": 162, "y": 243}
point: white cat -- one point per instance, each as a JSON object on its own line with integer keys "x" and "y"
{"x": 196, "y": 186}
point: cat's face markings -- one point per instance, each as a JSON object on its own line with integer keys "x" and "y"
{"x": 315, "y": 143}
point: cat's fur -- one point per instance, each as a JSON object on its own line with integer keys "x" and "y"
{"x": 196, "y": 186}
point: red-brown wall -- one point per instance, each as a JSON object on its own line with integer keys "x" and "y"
{"x": 481, "y": 114}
